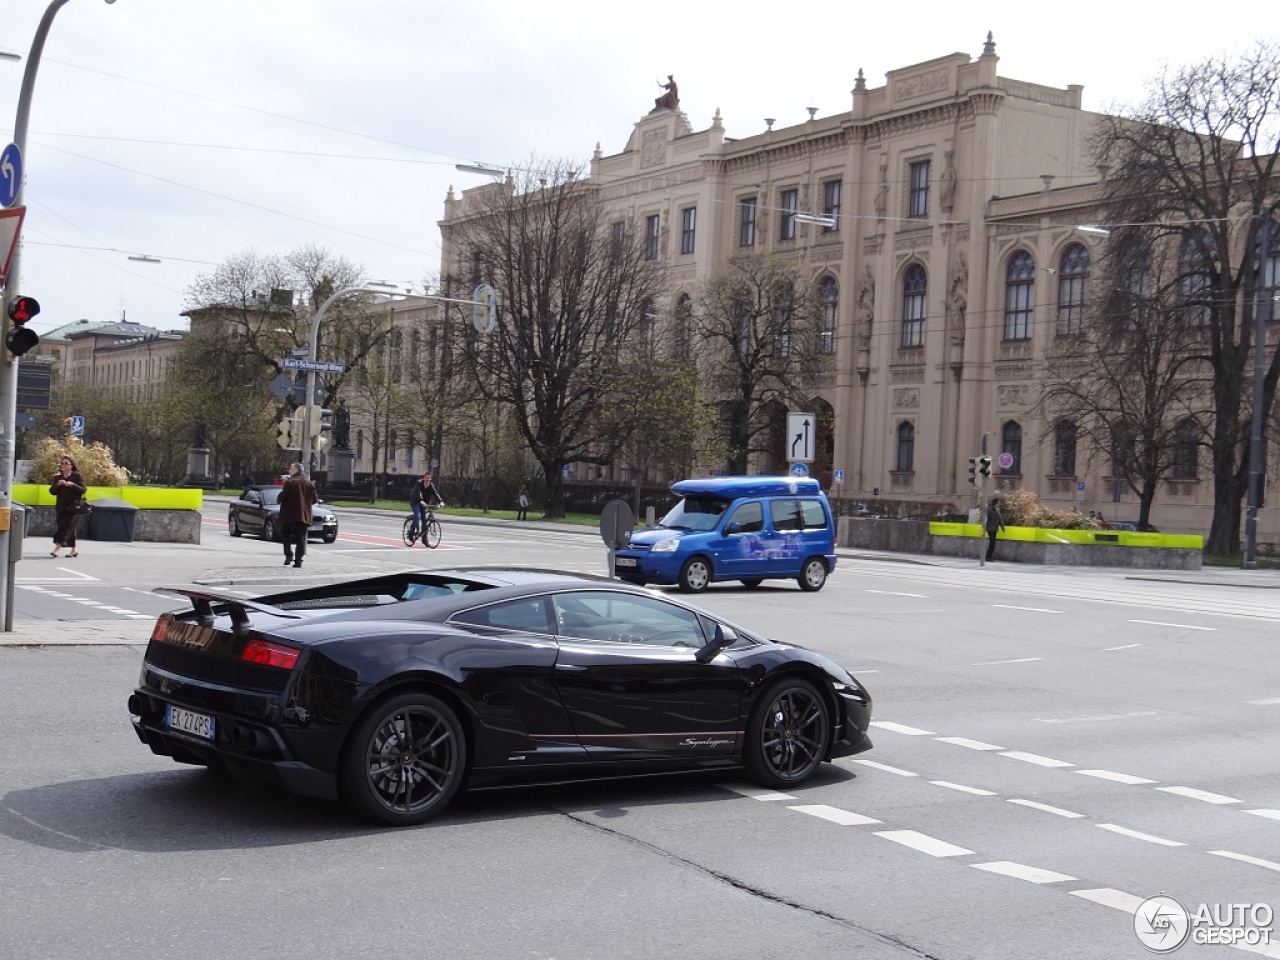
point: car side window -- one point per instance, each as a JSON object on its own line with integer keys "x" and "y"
{"x": 786, "y": 515}
{"x": 624, "y": 618}
{"x": 815, "y": 517}
{"x": 749, "y": 517}
{"x": 526, "y": 615}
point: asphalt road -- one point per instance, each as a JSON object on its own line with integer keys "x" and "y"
{"x": 1052, "y": 746}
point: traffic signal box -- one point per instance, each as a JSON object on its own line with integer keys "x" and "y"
{"x": 21, "y": 339}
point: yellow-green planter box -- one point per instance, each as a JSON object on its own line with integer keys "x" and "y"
{"x": 144, "y": 498}
{"x": 1123, "y": 538}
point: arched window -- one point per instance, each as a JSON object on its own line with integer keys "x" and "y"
{"x": 830, "y": 295}
{"x": 1064, "y": 449}
{"x": 1019, "y": 296}
{"x": 684, "y": 326}
{"x": 1073, "y": 273}
{"x": 914, "y": 291}
{"x": 1186, "y": 449}
{"x": 906, "y": 447}
{"x": 1011, "y": 443}
{"x": 1195, "y": 265}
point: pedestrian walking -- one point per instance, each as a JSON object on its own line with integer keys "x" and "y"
{"x": 68, "y": 491}
{"x": 522, "y": 502}
{"x": 296, "y": 500}
{"x": 995, "y": 523}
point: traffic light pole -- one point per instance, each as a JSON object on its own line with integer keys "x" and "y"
{"x": 9, "y": 365}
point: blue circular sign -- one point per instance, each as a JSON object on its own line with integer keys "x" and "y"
{"x": 10, "y": 175}
{"x": 799, "y": 470}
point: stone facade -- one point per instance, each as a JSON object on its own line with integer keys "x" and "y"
{"x": 950, "y": 185}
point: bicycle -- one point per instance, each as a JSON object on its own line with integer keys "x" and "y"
{"x": 430, "y": 534}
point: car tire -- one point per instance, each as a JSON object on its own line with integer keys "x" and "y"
{"x": 813, "y": 575}
{"x": 398, "y": 779}
{"x": 330, "y": 537}
{"x": 233, "y": 526}
{"x": 695, "y": 575}
{"x": 788, "y": 734}
{"x": 268, "y": 529}
{"x": 752, "y": 582}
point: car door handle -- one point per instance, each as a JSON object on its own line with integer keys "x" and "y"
{"x": 570, "y": 667}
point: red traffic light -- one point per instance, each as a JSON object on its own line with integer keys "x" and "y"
{"x": 22, "y": 309}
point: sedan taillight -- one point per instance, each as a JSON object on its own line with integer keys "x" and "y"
{"x": 269, "y": 654}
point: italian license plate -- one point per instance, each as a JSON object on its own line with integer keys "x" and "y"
{"x": 189, "y": 722}
{"x": 624, "y": 561}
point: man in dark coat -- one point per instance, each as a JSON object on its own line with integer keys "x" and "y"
{"x": 297, "y": 497}
{"x": 995, "y": 523}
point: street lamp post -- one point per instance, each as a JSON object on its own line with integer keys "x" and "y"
{"x": 9, "y": 365}
{"x": 1261, "y": 316}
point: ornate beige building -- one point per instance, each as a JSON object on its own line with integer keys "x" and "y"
{"x": 948, "y": 262}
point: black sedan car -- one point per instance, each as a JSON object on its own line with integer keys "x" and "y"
{"x": 393, "y": 693}
{"x": 258, "y": 512}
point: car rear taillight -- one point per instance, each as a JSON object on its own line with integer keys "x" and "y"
{"x": 269, "y": 654}
{"x": 160, "y": 630}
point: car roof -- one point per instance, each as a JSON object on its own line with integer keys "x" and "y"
{"x": 730, "y": 488}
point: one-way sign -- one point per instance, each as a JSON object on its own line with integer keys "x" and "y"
{"x": 319, "y": 366}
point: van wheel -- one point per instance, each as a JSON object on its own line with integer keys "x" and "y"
{"x": 752, "y": 582}
{"x": 812, "y": 575}
{"x": 695, "y": 575}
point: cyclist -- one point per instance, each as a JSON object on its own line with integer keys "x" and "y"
{"x": 422, "y": 498}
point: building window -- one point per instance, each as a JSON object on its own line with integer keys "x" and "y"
{"x": 830, "y": 296}
{"x": 684, "y": 326}
{"x": 906, "y": 447}
{"x": 648, "y": 324}
{"x": 747, "y": 222}
{"x": 1011, "y": 443}
{"x": 1019, "y": 296}
{"x": 652, "y": 226}
{"x": 742, "y": 326}
{"x": 913, "y": 306}
{"x": 1122, "y": 458}
{"x": 1271, "y": 275}
{"x": 831, "y": 204}
{"x": 1186, "y": 436}
{"x": 617, "y": 240}
{"x": 783, "y": 305}
{"x": 688, "y": 227}
{"x": 1073, "y": 274}
{"x": 918, "y": 198}
{"x": 1064, "y": 449}
{"x": 787, "y": 223}
{"x": 1194, "y": 279}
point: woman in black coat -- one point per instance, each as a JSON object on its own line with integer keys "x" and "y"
{"x": 68, "y": 489}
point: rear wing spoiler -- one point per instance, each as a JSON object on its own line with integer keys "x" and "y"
{"x": 237, "y": 608}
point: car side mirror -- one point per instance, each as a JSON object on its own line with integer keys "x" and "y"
{"x": 723, "y": 637}
{"x": 732, "y": 527}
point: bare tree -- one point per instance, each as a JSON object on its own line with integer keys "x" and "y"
{"x": 1197, "y": 160}
{"x": 1131, "y": 383}
{"x": 757, "y": 326}
{"x": 573, "y": 289}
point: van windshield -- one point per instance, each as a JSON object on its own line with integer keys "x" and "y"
{"x": 694, "y": 514}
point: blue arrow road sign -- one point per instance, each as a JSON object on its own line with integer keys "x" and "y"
{"x": 10, "y": 175}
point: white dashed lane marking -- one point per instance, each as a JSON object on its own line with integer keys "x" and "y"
{"x": 1108, "y": 897}
{"x": 897, "y": 593}
{"x": 1245, "y": 858}
{"x": 1009, "y": 606}
{"x": 924, "y": 843}
{"x": 1127, "y": 646}
{"x": 996, "y": 663}
{"x": 1021, "y": 871}
{"x": 963, "y": 789}
{"x": 966, "y": 742}
{"x": 884, "y": 766}
{"x": 1035, "y": 758}
{"x": 900, "y": 728}
{"x": 1180, "y": 626}
{"x": 755, "y": 793}
{"x": 1269, "y": 814}
{"x": 1056, "y": 811}
{"x": 1126, "y": 832}
{"x": 1195, "y": 794}
{"x": 834, "y": 814}
{"x": 1115, "y": 777}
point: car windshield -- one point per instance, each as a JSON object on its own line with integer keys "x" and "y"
{"x": 694, "y": 514}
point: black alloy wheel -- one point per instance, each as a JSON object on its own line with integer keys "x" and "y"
{"x": 788, "y": 735}
{"x": 405, "y": 761}
{"x": 233, "y": 526}
{"x": 268, "y": 529}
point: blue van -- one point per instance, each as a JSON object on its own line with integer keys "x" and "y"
{"x": 736, "y": 528}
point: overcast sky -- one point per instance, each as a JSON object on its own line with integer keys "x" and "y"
{"x": 191, "y": 130}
